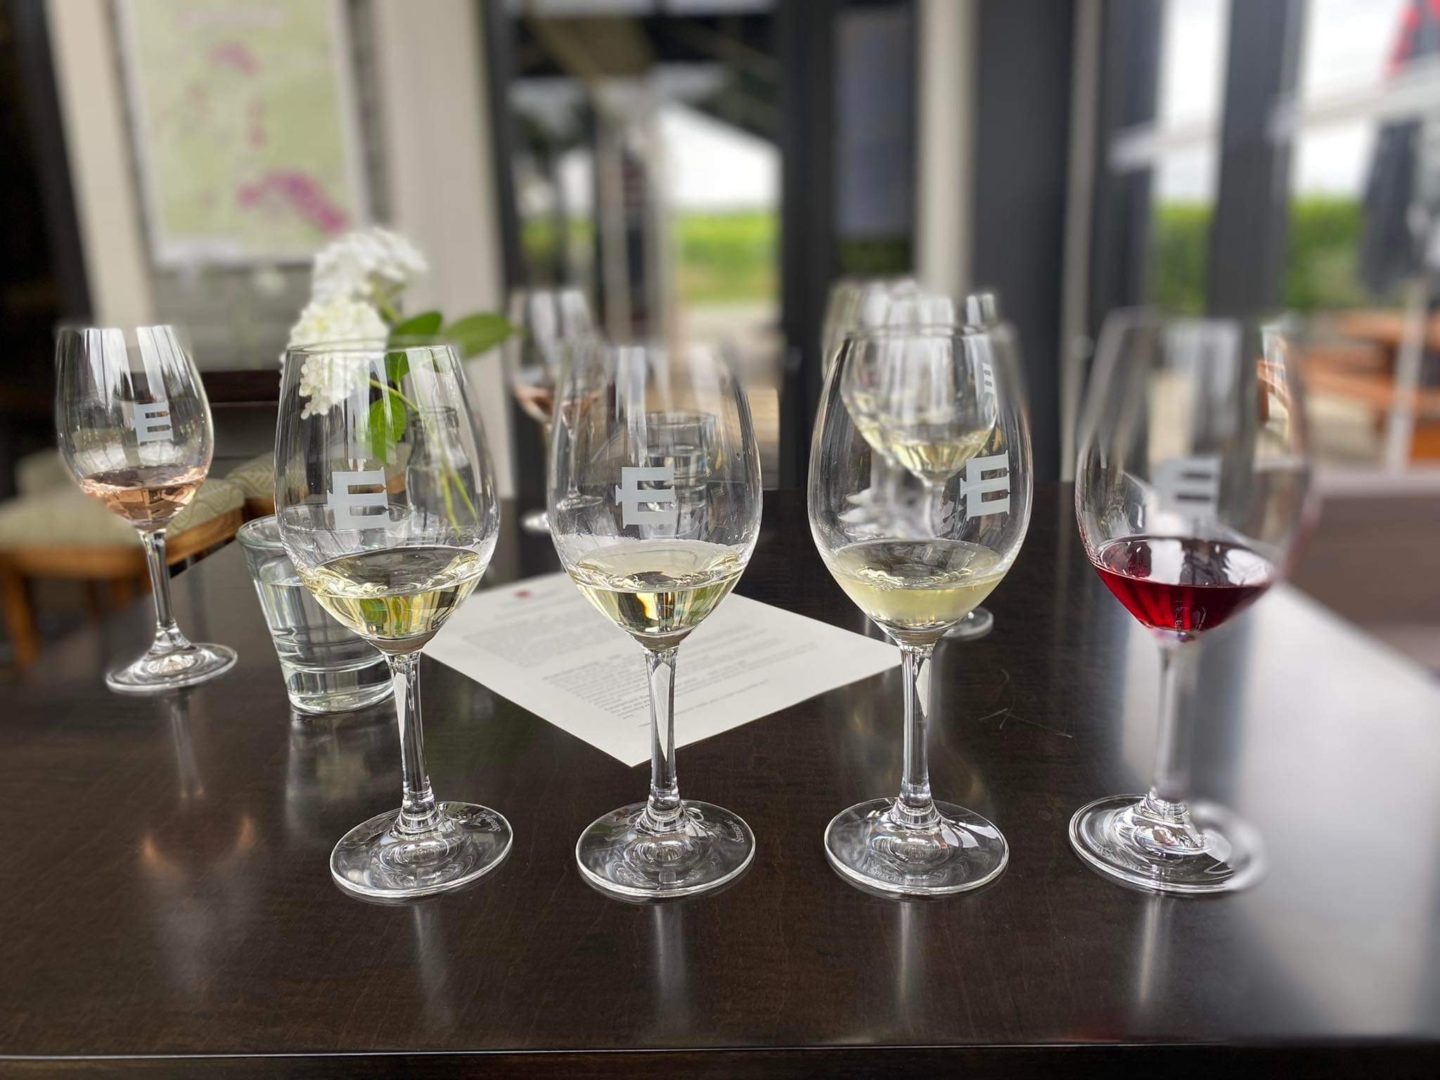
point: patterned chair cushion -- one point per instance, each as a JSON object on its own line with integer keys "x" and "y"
{"x": 66, "y": 517}
{"x": 41, "y": 471}
{"x": 256, "y": 478}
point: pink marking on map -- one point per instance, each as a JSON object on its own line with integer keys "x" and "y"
{"x": 295, "y": 191}
{"x": 257, "y": 134}
{"x": 237, "y": 55}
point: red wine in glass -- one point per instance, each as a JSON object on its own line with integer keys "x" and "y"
{"x": 1186, "y": 585}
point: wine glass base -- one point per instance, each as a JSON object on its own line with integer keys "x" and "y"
{"x": 872, "y": 848}
{"x": 1109, "y": 837}
{"x": 973, "y": 627}
{"x": 159, "y": 671}
{"x": 624, "y": 857}
{"x": 535, "y": 521}
{"x": 376, "y": 862}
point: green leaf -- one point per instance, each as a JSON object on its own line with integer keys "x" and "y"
{"x": 476, "y": 333}
{"x": 397, "y": 366}
{"x": 388, "y": 420}
{"x": 426, "y": 324}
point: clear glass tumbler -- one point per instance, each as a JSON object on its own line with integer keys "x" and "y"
{"x": 327, "y": 668}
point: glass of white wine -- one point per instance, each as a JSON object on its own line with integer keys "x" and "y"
{"x": 134, "y": 429}
{"x": 895, "y": 303}
{"x": 387, "y": 508}
{"x": 941, "y": 402}
{"x": 550, "y": 323}
{"x": 659, "y": 444}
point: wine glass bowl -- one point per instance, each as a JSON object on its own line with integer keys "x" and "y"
{"x": 386, "y": 505}
{"x": 134, "y": 430}
{"x": 654, "y": 508}
{"x": 1191, "y": 493}
{"x": 897, "y": 303}
{"x": 918, "y": 562}
{"x": 917, "y": 406}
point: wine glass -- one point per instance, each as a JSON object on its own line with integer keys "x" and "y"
{"x": 134, "y": 430}
{"x": 387, "y": 508}
{"x": 659, "y": 444}
{"x": 944, "y": 404}
{"x": 1190, "y": 492}
{"x": 552, "y": 322}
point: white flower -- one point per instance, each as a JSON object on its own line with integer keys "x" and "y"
{"x": 361, "y": 262}
{"x": 337, "y": 319}
{"x": 328, "y": 378}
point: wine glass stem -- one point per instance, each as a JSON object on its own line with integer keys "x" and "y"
{"x": 167, "y": 634}
{"x": 915, "y": 805}
{"x": 417, "y": 806}
{"x": 663, "y": 807}
{"x": 1172, "y": 758}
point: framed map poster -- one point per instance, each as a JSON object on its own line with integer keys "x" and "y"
{"x": 245, "y": 128}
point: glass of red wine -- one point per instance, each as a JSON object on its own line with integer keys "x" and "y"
{"x": 1191, "y": 490}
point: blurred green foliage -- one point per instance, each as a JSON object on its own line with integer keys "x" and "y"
{"x": 721, "y": 258}
{"x": 727, "y": 258}
{"x": 1320, "y": 267}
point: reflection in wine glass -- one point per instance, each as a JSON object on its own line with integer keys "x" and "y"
{"x": 134, "y": 430}
{"x": 928, "y": 399}
{"x": 1190, "y": 494}
{"x": 552, "y": 324}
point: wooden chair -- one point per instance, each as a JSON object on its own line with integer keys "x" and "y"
{"x": 56, "y": 532}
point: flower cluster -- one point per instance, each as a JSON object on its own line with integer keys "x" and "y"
{"x": 326, "y": 379}
{"x": 370, "y": 265}
{"x": 337, "y": 319}
{"x": 354, "y": 280}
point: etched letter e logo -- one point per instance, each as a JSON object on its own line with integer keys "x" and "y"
{"x": 350, "y": 505}
{"x": 151, "y": 421}
{"x": 637, "y": 503}
{"x": 986, "y": 476}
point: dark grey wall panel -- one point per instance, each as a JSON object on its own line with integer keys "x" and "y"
{"x": 1020, "y": 158}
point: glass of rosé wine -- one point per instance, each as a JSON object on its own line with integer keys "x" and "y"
{"x": 134, "y": 430}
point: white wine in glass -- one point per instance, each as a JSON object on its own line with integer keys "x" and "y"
{"x": 386, "y": 506}
{"x": 916, "y": 576}
{"x": 400, "y": 596}
{"x": 135, "y": 432}
{"x": 658, "y": 593}
{"x": 654, "y": 507}
{"x": 913, "y": 587}
{"x": 900, "y": 303}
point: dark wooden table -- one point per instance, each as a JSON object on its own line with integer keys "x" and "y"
{"x": 167, "y": 909}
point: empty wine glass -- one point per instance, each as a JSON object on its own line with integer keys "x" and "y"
{"x": 134, "y": 430}
{"x": 551, "y": 323}
{"x": 1190, "y": 492}
{"x": 658, "y": 442}
{"x": 387, "y": 508}
{"x": 946, "y": 406}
